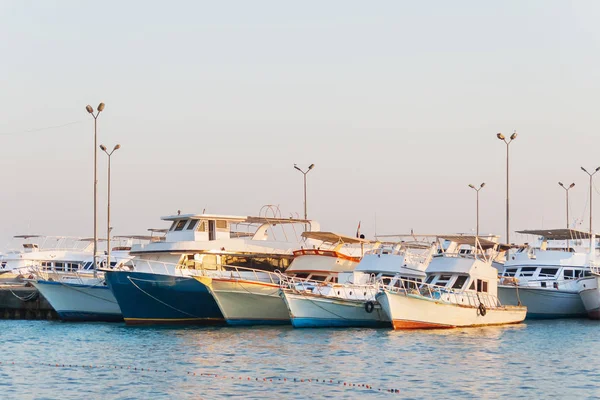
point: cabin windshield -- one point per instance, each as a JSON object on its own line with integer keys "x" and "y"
{"x": 460, "y": 281}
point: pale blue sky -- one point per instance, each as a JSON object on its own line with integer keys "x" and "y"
{"x": 396, "y": 102}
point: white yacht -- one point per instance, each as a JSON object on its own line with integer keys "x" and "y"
{"x": 460, "y": 291}
{"x": 351, "y": 301}
{"x": 544, "y": 276}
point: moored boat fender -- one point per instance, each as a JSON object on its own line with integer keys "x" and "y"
{"x": 481, "y": 309}
{"x": 369, "y": 306}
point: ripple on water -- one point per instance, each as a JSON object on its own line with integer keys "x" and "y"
{"x": 517, "y": 361}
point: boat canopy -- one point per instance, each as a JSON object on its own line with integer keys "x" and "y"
{"x": 558, "y": 234}
{"x": 238, "y": 219}
{"x": 332, "y": 237}
{"x": 470, "y": 240}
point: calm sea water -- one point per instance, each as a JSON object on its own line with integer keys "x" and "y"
{"x": 534, "y": 360}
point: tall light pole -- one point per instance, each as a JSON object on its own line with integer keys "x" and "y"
{"x": 591, "y": 184}
{"x": 571, "y": 186}
{"x": 311, "y": 166}
{"x": 103, "y": 148}
{"x": 477, "y": 230}
{"x": 508, "y": 142}
{"x": 567, "y": 188}
{"x": 91, "y": 111}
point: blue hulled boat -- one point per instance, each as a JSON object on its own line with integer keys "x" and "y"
{"x": 148, "y": 298}
{"x": 158, "y": 286}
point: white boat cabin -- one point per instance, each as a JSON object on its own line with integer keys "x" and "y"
{"x": 334, "y": 255}
{"x": 464, "y": 263}
{"x": 558, "y": 255}
{"x": 224, "y": 242}
{"x": 388, "y": 262}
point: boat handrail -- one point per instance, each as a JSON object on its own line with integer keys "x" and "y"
{"x": 75, "y": 276}
{"x": 439, "y": 293}
{"x": 515, "y": 281}
{"x": 224, "y": 271}
{"x": 594, "y": 268}
{"x": 327, "y": 289}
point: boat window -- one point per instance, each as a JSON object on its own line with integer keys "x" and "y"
{"x": 548, "y": 272}
{"x": 221, "y": 224}
{"x": 72, "y": 267}
{"x": 482, "y": 286}
{"x": 464, "y": 251}
{"x": 587, "y": 273}
{"x": 460, "y": 281}
{"x": 46, "y": 264}
{"x": 510, "y": 271}
{"x": 301, "y": 275}
{"x": 569, "y": 274}
{"x": 472, "y": 287}
{"x": 192, "y": 224}
{"x": 430, "y": 278}
{"x": 262, "y": 263}
{"x": 88, "y": 265}
{"x": 443, "y": 280}
{"x": 318, "y": 278}
{"x": 59, "y": 266}
{"x": 173, "y": 225}
{"x": 527, "y": 271}
{"x": 202, "y": 227}
{"x": 180, "y": 225}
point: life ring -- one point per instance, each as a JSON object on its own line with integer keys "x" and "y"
{"x": 481, "y": 309}
{"x": 369, "y": 307}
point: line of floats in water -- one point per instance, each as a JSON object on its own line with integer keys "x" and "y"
{"x": 236, "y": 270}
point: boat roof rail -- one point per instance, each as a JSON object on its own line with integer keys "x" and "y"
{"x": 158, "y": 230}
{"x": 204, "y": 216}
{"x": 135, "y": 237}
{"x": 333, "y": 238}
{"x": 558, "y": 234}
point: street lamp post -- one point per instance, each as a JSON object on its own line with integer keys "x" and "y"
{"x": 90, "y": 110}
{"x": 311, "y": 166}
{"x": 567, "y": 188}
{"x": 103, "y": 148}
{"x": 567, "y": 192}
{"x": 477, "y": 230}
{"x": 591, "y": 184}
{"x": 508, "y": 142}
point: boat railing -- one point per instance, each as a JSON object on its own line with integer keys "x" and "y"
{"x": 594, "y": 268}
{"x": 536, "y": 283}
{"x": 439, "y": 293}
{"x": 81, "y": 277}
{"x": 328, "y": 288}
{"x": 197, "y": 268}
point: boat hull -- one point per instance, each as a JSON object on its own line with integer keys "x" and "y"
{"x": 245, "y": 302}
{"x": 147, "y": 298}
{"x": 409, "y": 311}
{"x": 590, "y": 296}
{"x": 543, "y": 303}
{"x": 314, "y": 311}
{"x": 79, "y": 302}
